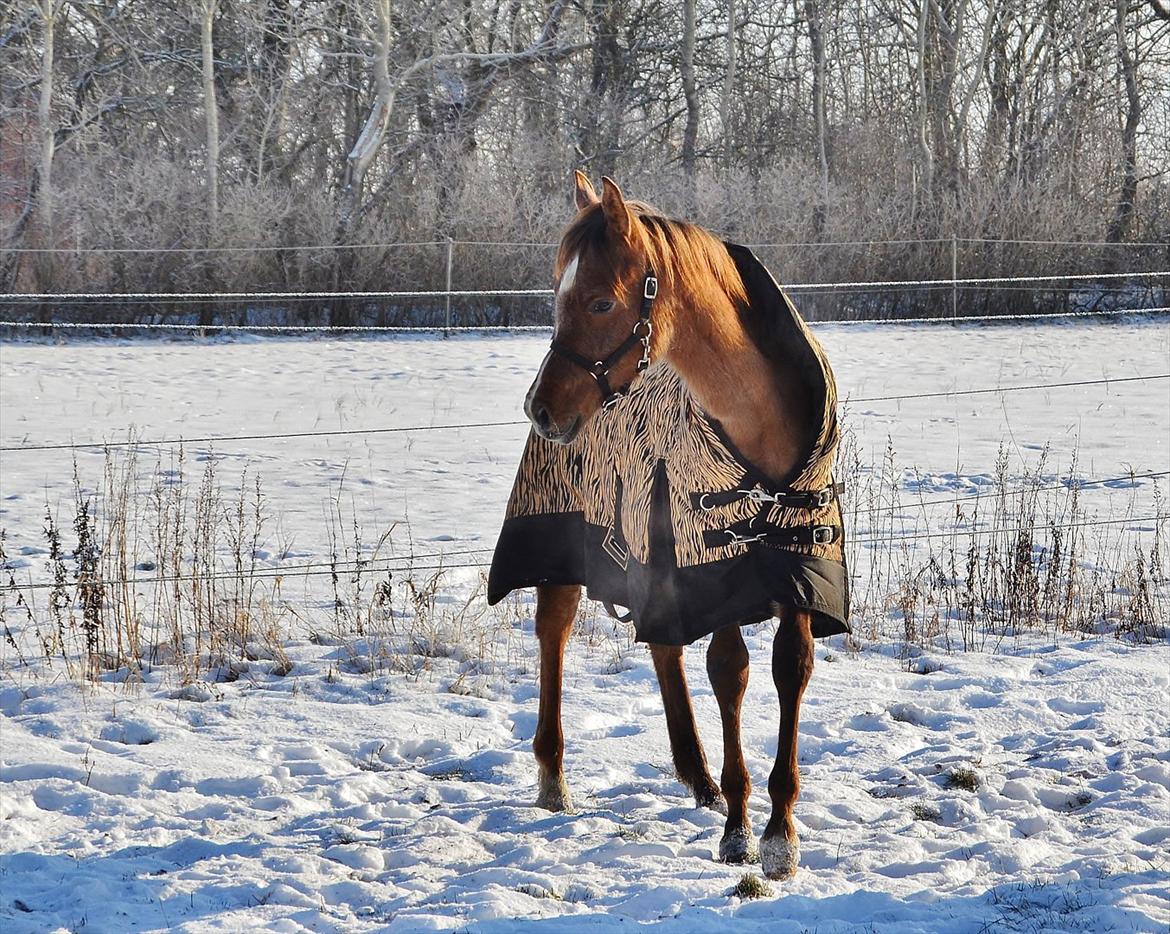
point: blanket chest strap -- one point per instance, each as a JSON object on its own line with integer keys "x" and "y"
{"x": 751, "y": 531}
{"x": 789, "y": 499}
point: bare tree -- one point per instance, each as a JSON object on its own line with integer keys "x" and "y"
{"x": 812, "y": 12}
{"x": 1123, "y": 213}
{"x": 690, "y": 92}
{"x": 207, "y": 10}
{"x": 726, "y": 99}
{"x": 48, "y": 10}
{"x": 348, "y": 123}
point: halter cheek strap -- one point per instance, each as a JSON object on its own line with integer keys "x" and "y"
{"x": 600, "y": 369}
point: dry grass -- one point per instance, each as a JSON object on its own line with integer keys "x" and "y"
{"x": 922, "y": 811}
{"x": 1016, "y": 559}
{"x": 167, "y": 563}
{"x": 964, "y": 778}
{"x": 752, "y": 886}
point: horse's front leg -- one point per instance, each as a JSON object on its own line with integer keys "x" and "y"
{"x": 727, "y": 667}
{"x": 556, "y": 608}
{"x": 792, "y": 665}
{"x": 690, "y": 762}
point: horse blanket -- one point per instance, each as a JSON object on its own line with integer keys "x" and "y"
{"x": 651, "y": 507}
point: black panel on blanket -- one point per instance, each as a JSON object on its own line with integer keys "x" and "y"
{"x": 670, "y": 605}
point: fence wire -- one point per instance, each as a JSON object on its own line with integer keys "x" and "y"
{"x": 522, "y": 328}
{"x": 211, "y": 439}
{"x": 378, "y": 566}
{"x": 67, "y": 297}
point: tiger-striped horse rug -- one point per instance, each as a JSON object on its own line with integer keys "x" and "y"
{"x": 652, "y": 508}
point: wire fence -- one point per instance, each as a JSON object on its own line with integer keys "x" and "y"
{"x": 397, "y": 429}
{"x": 473, "y": 283}
{"x": 388, "y": 565}
{"x": 285, "y": 329}
{"x": 466, "y": 557}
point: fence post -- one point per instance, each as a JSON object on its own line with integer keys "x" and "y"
{"x": 450, "y": 252}
{"x": 954, "y": 275}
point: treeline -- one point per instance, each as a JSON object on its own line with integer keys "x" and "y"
{"x": 200, "y": 138}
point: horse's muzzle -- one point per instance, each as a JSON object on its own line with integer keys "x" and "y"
{"x": 546, "y": 426}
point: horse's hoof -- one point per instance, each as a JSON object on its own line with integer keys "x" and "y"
{"x": 779, "y": 857}
{"x": 711, "y": 798}
{"x": 737, "y": 846}
{"x": 554, "y": 795}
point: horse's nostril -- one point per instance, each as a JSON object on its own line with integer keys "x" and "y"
{"x": 540, "y": 416}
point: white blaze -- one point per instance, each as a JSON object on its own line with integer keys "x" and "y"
{"x": 568, "y": 277}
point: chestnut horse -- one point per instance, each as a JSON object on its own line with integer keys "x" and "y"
{"x": 697, "y": 330}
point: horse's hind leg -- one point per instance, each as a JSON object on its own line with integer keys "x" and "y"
{"x": 792, "y": 665}
{"x": 690, "y": 762}
{"x": 555, "y": 610}
{"x": 727, "y": 667}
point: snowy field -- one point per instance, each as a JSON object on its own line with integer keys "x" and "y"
{"x": 343, "y": 795}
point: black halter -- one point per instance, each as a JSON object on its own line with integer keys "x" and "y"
{"x": 599, "y": 369}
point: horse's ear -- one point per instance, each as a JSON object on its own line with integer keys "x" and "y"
{"x": 585, "y": 195}
{"x": 617, "y": 215}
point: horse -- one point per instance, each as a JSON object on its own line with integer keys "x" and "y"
{"x": 660, "y": 319}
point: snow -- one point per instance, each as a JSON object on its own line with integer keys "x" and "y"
{"x": 351, "y": 796}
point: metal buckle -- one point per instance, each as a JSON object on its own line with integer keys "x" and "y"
{"x": 650, "y": 288}
{"x": 823, "y": 534}
{"x": 612, "y": 399}
{"x": 824, "y": 497}
{"x": 645, "y": 361}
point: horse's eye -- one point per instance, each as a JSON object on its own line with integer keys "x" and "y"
{"x": 602, "y": 307}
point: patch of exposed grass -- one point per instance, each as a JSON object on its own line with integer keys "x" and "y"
{"x": 963, "y": 777}
{"x": 923, "y": 811}
{"x": 752, "y": 886}
{"x": 534, "y": 890}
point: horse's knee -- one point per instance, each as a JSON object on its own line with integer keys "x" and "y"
{"x": 792, "y": 652}
{"x": 727, "y": 657}
{"x": 555, "y": 608}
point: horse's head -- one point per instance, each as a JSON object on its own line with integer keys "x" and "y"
{"x": 602, "y": 329}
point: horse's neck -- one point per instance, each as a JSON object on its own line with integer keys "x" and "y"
{"x": 760, "y": 405}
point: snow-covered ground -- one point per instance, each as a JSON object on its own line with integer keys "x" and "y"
{"x": 340, "y": 799}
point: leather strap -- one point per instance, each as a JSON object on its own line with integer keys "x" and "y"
{"x": 599, "y": 369}
{"x": 750, "y": 531}
{"x": 789, "y": 499}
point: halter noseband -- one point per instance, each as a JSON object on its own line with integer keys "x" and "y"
{"x": 599, "y": 369}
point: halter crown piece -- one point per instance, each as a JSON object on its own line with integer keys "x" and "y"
{"x": 599, "y": 369}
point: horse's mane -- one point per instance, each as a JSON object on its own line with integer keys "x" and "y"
{"x": 676, "y": 250}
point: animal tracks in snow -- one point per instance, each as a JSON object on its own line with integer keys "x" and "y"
{"x": 306, "y": 813}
